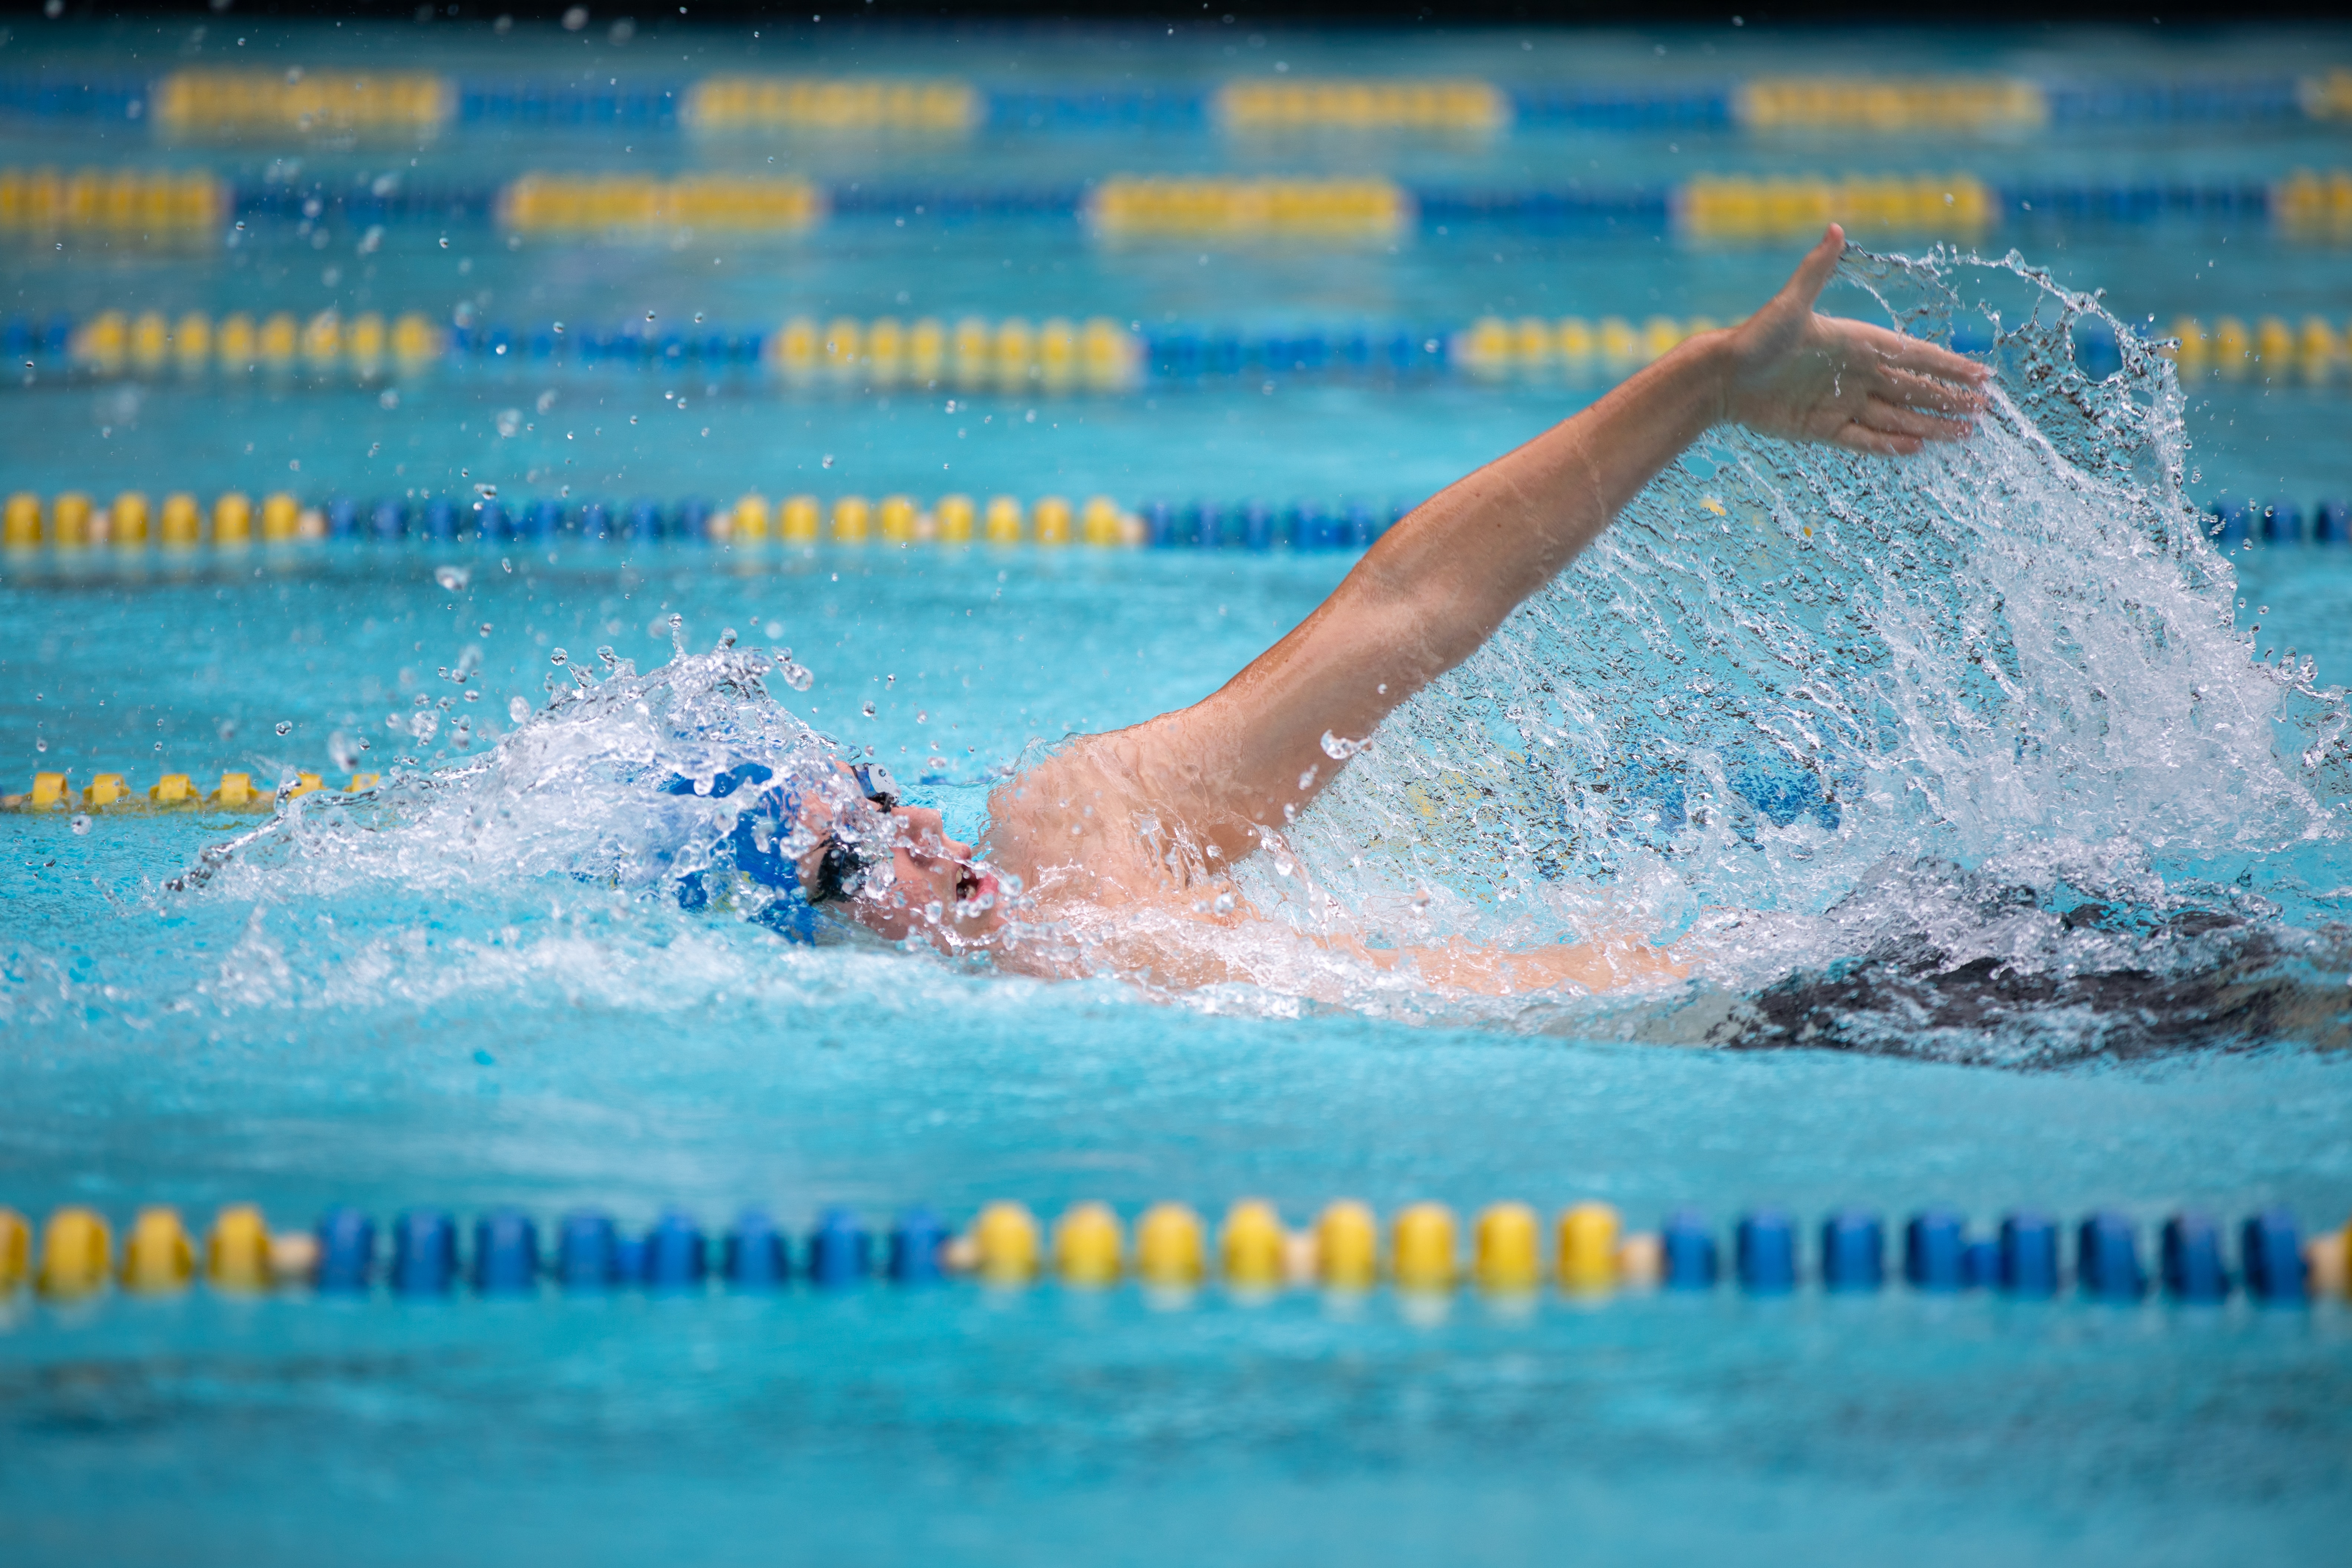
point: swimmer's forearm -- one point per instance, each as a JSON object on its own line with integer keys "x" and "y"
{"x": 1603, "y": 965}
{"x": 1462, "y": 561}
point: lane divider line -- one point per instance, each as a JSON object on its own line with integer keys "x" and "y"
{"x": 1171, "y": 1247}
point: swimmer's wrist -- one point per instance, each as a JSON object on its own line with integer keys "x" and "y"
{"x": 1708, "y": 363}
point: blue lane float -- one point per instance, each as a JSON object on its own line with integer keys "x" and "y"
{"x": 424, "y": 1253}
{"x": 2272, "y": 1255}
{"x": 838, "y": 1254}
{"x": 2028, "y": 1255}
{"x": 757, "y": 1256}
{"x": 505, "y": 1253}
{"x": 676, "y": 1256}
{"x": 2106, "y": 1258}
{"x": 916, "y": 1243}
{"x": 586, "y": 1253}
{"x": 1687, "y": 1245}
{"x": 1935, "y": 1253}
{"x": 1764, "y": 1252}
{"x": 2190, "y": 1253}
{"x": 1853, "y": 1251}
{"x": 346, "y": 1244}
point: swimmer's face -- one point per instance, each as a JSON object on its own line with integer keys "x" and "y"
{"x": 925, "y": 871}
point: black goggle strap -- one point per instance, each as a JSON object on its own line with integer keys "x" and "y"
{"x": 875, "y": 783}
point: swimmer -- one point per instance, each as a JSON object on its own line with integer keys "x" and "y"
{"x": 1127, "y": 838}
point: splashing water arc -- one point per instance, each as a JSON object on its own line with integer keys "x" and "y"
{"x": 1814, "y": 686}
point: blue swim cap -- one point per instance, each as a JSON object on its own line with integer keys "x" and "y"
{"x": 772, "y": 815}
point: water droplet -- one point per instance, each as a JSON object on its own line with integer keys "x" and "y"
{"x": 41, "y": 743}
{"x": 726, "y": 639}
{"x": 604, "y": 651}
{"x": 677, "y": 635}
{"x": 828, "y": 459}
{"x": 922, "y": 717}
{"x": 1337, "y": 748}
{"x": 558, "y": 656}
{"x": 1306, "y": 779}
{"x": 868, "y": 710}
{"x": 775, "y": 629}
{"x": 81, "y": 822}
{"x": 486, "y": 628}
{"x": 285, "y": 726}
{"x": 1224, "y": 904}
{"x": 452, "y": 578}
{"x": 518, "y": 710}
{"x": 932, "y": 912}
{"x": 800, "y": 678}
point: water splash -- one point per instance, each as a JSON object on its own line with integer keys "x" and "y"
{"x": 1958, "y": 755}
{"x": 578, "y": 792}
{"x": 1774, "y": 707}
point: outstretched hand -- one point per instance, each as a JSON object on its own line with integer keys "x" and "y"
{"x": 1807, "y": 377}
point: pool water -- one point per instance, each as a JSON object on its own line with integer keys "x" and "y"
{"x": 2038, "y": 691}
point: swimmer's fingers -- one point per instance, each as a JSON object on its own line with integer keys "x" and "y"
{"x": 1896, "y": 352}
{"x": 1895, "y": 419}
{"x": 1915, "y": 391}
{"x": 1859, "y": 437}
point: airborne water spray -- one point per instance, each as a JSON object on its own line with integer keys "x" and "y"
{"x": 1799, "y": 707}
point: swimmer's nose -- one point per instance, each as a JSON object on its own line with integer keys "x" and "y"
{"x": 927, "y": 835}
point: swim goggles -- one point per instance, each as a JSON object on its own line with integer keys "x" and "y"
{"x": 841, "y": 868}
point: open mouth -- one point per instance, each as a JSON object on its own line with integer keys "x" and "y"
{"x": 975, "y": 891}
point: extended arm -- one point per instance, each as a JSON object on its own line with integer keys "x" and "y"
{"x": 1437, "y": 585}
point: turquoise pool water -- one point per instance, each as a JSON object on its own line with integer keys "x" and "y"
{"x": 416, "y": 1002}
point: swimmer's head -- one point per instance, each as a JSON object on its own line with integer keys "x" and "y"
{"x": 832, "y": 837}
{"x": 892, "y": 867}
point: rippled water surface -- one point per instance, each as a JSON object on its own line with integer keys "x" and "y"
{"x": 2000, "y": 815}
{"x": 1977, "y": 771}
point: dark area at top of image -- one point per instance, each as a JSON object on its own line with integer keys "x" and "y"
{"x": 1329, "y": 14}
